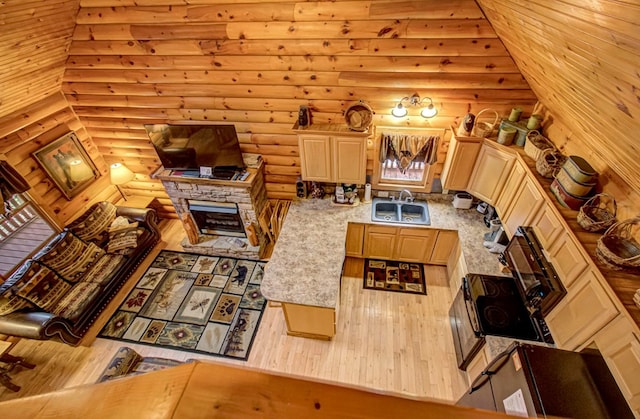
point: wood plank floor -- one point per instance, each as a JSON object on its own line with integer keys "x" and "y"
{"x": 389, "y": 342}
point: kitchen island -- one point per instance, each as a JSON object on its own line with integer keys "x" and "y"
{"x": 305, "y": 268}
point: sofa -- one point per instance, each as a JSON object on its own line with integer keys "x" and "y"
{"x": 60, "y": 291}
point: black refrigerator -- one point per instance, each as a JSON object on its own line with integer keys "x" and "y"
{"x": 538, "y": 381}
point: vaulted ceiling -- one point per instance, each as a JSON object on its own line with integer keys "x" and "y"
{"x": 580, "y": 58}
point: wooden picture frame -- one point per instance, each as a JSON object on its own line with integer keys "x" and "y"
{"x": 67, "y": 163}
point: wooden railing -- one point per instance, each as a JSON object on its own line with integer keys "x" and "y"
{"x": 20, "y": 214}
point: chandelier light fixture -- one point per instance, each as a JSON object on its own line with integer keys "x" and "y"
{"x": 428, "y": 108}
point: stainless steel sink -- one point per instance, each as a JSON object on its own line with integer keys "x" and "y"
{"x": 400, "y": 212}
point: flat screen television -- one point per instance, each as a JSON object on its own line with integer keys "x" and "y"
{"x": 190, "y": 147}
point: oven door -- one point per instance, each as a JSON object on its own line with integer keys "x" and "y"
{"x": 467, "y": 340}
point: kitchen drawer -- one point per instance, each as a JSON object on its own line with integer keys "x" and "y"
{"x": 375, "y": 228}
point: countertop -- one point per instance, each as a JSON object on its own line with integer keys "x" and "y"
{"x": 306, "y": 264}
{"x": 498, "y": 344}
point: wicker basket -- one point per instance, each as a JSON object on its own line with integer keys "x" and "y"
{"x": 484, "y": 129}
{"x": 536, "y": 143}
{"x": 598, "y": 213}
{"x": 359, "y": 116}
{"x": 549, "y": 162}
{"x": 619, "y": 247}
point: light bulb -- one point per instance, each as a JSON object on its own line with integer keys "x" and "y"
{"x": 429, "y": 112}
{"x": 399, "y": 111}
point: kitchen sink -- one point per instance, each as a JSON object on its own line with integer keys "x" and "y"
{"x": 400, "y": 212}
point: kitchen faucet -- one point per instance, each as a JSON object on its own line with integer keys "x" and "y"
{"x": 407, "y": 199}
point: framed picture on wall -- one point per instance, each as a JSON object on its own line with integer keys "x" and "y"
{"x": 67, "y": 163}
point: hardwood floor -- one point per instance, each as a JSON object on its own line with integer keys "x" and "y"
{"x": 389, "y": 342}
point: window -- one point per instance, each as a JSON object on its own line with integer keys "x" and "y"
{"x": 403, "y": 157}
{"x": 391, "y": 171}
{"x": 22, "y": 232}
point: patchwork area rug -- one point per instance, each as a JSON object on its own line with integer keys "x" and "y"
{"x": 386, "y": 275}
{"x": 207, "y": 304}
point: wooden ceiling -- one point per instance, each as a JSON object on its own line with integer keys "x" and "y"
{"x": 582, "y": 60}
{"x": 34, "y": 43}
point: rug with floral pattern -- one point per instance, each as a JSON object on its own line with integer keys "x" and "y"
{"x": 198, "y": 303}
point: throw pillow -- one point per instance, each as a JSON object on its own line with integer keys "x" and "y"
{"x": 93, "y": 225}
{"x": 124, "y": 241}
{"x": 69, "y": 256}
{"x": 44, "y": 288}
{"x": 121, "y": 223}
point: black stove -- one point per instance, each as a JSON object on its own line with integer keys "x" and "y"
{"x": 496, "y": 303}
{"x": 508, "y": 306}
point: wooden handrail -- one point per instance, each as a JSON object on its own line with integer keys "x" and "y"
{"x": 205, "y": 390}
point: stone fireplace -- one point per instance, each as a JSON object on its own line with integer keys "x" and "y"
{"x": 223, "y": 214}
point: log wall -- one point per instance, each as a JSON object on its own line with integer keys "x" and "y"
{"x": 253, "y": 63}
{"x": 27, "y": 130}
{"x": 581, "y": 60}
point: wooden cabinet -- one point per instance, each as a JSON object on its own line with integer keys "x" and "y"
{"x": 490, "y": 173}
{"x": 567, "y": 260}
{"x": 516, "y": 176}
{"x": 354, "y": 244}
{"x": 414, "y": 245}
{"x": 456, "y": 269}
{"x": 380, "y": 241}
{"x": 478, "y": 364}
{"x": 461, "y": 157}
{"x": 349, "y": 159}
{"x": 309, "y": 321}
{"x": 399, "y": 243}
{"x": 619, "y": 344}
{"x": 446, "y": 242}
{"x": 526, "y": 202}
{"x": 547, "y": 225}
{"x": 329, "y": 156}
{"x": 582, "y": 312}
{"x": 316, "y": 158}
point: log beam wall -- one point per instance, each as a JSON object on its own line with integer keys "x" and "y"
{"x": 27, "y": 130}
{"x": 253, "y": 63}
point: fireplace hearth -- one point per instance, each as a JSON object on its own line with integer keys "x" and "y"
{"x": 223, "y": 212}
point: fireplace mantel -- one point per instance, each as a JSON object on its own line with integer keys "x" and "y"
{"x": 249, "y": 195}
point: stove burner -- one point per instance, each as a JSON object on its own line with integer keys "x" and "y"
{"x": 497, "y": 287}
{"x": 497, "y": 317}
{"x": 504, "y": 317}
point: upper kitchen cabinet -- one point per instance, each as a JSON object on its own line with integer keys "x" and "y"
{"x": 331, "y": 154}
{"x": 461, "y": 157}
{"x": 316, "y": 158}
{"x": 490, "y": 172}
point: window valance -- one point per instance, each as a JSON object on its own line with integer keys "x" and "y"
{"x": 406, "y": 149}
